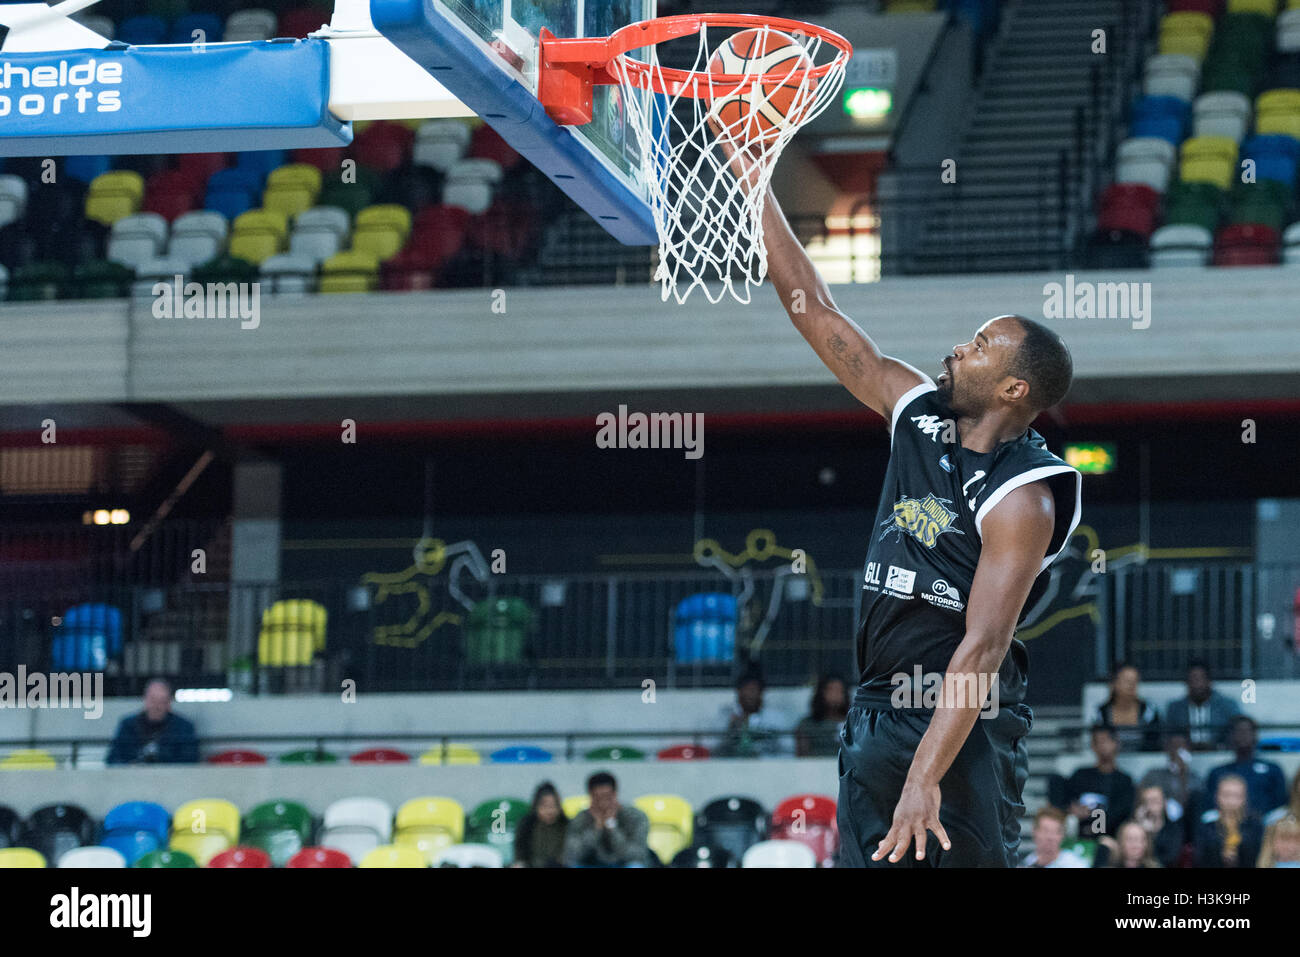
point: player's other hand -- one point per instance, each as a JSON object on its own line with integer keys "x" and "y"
{"x": 917, "y": 812}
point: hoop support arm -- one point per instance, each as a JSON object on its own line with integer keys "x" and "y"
{"x": 567, "y": 70}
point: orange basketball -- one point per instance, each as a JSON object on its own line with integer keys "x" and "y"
{"x": 765, "y": 110}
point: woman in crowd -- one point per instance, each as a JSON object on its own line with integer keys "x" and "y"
{"x": 1136, "y": 723}
{"x": 1281, "y": 844}
{"x": 1166, "y": 835}
{"x": 1135, "y": 847}
{"x": 1229, "y": 835}
{"x": 539, "y": 839}
{"x": 818, "y": 735}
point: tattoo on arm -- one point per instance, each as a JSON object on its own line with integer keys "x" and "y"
{"x": 852, "y": 360}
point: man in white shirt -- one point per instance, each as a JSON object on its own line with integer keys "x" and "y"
{"x": 1049, "y": 832}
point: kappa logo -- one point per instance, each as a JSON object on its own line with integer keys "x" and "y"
{"x": 925, "y": 519}
{"x": 943, "y": 595}
{"x": 946, "y": 464}
{"x": 930, "y": 425}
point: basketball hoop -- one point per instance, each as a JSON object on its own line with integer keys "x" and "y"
{"x": 707, "y": 206}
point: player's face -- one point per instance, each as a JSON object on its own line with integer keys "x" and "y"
{"x": 975, "y": 369}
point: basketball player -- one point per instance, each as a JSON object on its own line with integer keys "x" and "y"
{"x": 973, "y": 511}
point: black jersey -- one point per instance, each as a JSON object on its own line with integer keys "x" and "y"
{"x": 925, "y": 543}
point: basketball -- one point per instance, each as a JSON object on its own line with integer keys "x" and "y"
{"x": 765, "y": 110}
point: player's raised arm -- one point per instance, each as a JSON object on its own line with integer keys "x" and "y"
{"x": 876, "y": 380}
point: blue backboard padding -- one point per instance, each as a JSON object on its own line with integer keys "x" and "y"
{"x": 172, "y": 99}
{"x": 423, "y": 33}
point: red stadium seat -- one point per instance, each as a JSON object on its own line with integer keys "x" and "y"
{"x": 319, "y": 857}
{"x": 383, "y": 146}
{"x": 237, "y": 756}
{"x": 440, "y": 230}
{"x": 380, "y": 756}
{"x": 1212, "y": 7}
{"x": 241, "y": 857}
{"x": 415, "y": 267}
{"x": 328, "y": 159}
{"x": 506, "y": 228}
{"x": 684, "y": 752}
{"x": 810, "y": 820}
{"x": 202, "y": 165}
{"x": 1130, "y": 207}
{"x": 486, "y": 143}
{"x": 301, "y": 21}
{"x": 1246, "y": 244}
{"x": 169, "y": 206}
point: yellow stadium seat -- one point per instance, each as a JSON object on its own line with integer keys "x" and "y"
{"x": 295, "y": 174}
{"x": 911, "y": 6}
{"x": 385, "y": 214}
{"x": 382, "y": 242}
{"x": 672, "y": 824}
{"x": 1209, "y": 169}
{"x": 1280, "y": 123}
{"x": 349, "y": 271}
{"x": 119, "y": 181}
{"x": 1188, "y": 21}
{"x": 293, "y": 631}
{"x": 254, "y": 247}
{"x": 1266, "y": 7}
{"x": 456, "y": 754}
{"x": 428, "y": 825}
{"x": 1188, "y": 44}
{"x": 108, "y": 208}
{"x": 261, "y": 221}
{"x": 289, "y": 200}
{"x": 573, "y": 806}
{"x": 1200, "y": 147}
{"x": 204, "y": 828}
{"x": 390, "y": 855}
{"x": 1283, "y": 99}
{"x": 21, "y": 857}
{"x": 28, "y": 759}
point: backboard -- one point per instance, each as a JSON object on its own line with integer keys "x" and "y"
{"x": 485, "y": 53}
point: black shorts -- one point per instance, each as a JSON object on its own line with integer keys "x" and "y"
{"x": 980, "y": 796}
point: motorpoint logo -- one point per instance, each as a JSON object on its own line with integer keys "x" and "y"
{"x": 65, "y": 88}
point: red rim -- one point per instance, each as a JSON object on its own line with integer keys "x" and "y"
{"x": 674, "y": 82}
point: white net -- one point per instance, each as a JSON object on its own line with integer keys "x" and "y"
{"x": 709, "y": 208}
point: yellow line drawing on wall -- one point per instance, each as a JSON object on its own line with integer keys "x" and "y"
{"x": 429, "y": 558}
{"x": 760, "y": 545}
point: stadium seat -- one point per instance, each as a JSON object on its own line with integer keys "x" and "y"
{"x": 1291, "y": 245}
{"x": 86, "y": 168}
{"x": 494, "y": 823}
{"x": 21, "y": 857}
{"x": 204, "y": 828}
{"x": 385, "y": 215}
{"x": 496, "y": 632}
{"x": 671, "y": 824}
{"x": 809, "y": 819}
{"x": 704, "y": 855}
{"x": 319, "y": 857}
{"x": 391, "y": 856}
{"x": 440, "y": 144}
{"x": 97, "y": 858}
{"x": 1275, "y": 158}
{"x": 1186, "y": 32}
{"x": 1278, "y": 112}
{"x": 779, "y": 853}
{"x": 13, "y": 198}
{"x": 1161, "y": 117}
{"x": 383, "y": 146}
{"x": 1246, "y": 245}
{"x": 523, "y": 754}
{"x": 704, "y": 628}
{"x": 143, "y": 30}
{"x": 1181, "y": 245}
{"x": 224, "y": 269}
{"x": 684, "y": 752}
{"x": 734, "y": 823}
{"x": 469, "y": 855}
{"x": 293, "y": 630}
{"x": 289, "y": 274}
{"x": 13, "y": 832}
{"x": 470, "y": 184}
{"x": 1288, "y": 30}
{"x": 162, "y": 269}
{"x": 614, "y": 752}
{"x": 237, "y": 756}
{"x": 1128, "y": 206}
{"x": 1208, "y": 159}
{"x": 380, "y": 756}
{"x": 58, "y": 828}
{"x": 253, "y": 24}
{"x": 356, "y": 826}
{"x": 380, "y": 242}
{"x": 349, "y": 271}
{"x": 241, "y": 857}
{"x": 575, "y": 805}
{"x": 168, "y": 858}
{"x": 451, "y": 754}
{"x": 486, "y": 143}
{"x": 301, "y": 21}
{"x": 301, "y": 175}
{"x": 1147, "y": 160}
{"x": 136, "y": 828}
{"x": 1225, "y": 114}
{"x": 208, "y": 26}
{"x": 328, "y": 160}
{"x": 308, "y": 756}
{"x": 39, "y": 281}
{"x": 280, "y": 828}
{"x": 1171, "y": 74}
{"x": 28, "y": 759}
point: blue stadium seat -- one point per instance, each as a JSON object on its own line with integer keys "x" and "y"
{"x": 1275, "y": 157}
{"x": 213, "y": 27}
{"x": 142, "y": 30}
{"x": 527, "y": 754}
{"x": 86, "y": 168}
{"x": 261, "y": 162}
{"x": 1163, "y": 117}
{"x": 704, "y": 628}
{"x": 136, "y": 828}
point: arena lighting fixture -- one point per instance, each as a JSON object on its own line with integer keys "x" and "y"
{"x": 1091, "y": 458}
{"x": 190, "y": 695}
{"x": 868, "y": 103}
{"x": 106, "y": 516}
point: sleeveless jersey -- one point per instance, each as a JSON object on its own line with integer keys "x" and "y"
{"x": 925, "y": 543}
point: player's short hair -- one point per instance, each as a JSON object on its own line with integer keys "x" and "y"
{"x": 601, "y": 779}
{"x": 1044, "y": 362}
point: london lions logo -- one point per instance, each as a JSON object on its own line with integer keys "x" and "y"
{"x": 943, "y": 595}
{"x": 925, "y": 519}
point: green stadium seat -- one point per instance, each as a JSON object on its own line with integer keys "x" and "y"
{"x": 280, "y": 828}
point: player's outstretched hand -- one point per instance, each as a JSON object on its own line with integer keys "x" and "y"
{"x": 917, "y": 812}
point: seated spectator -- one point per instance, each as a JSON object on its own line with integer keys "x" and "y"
{"x": 1167, "y": 835}
{"x": 607, "y": 834}
{"x": 1281, "y": 844}
{"x": 1180, "y": 783}
{"x": 1203, "y": 715}
{"x": 1229, "y": 835}
{"x": 1100, "y": 797}
{"x": 1049, "y": 832}
{"x": 156, "y": 735}
{"x": 818, "y": 735}
{"x": 1265, "y": 782}
{"x": 1136, "y": 723}
{"x": 1292, "y": 807}
{"x": 539, "y": 839}
{"x": 751, "y": 729}
{"x": 1135, "y": 849}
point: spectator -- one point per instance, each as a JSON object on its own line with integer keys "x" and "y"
{"x": 818, "y": 735}
{"x": 1230, "y": 835}
{"x": 1292, "y": 807}
{"x": 1136, "y": 723}
{"x": 539, "y": 839}
{"x": 1180, "y": 783}
{"x": 1167, "y": 836}
{"x": 1265, "y": 782}
{"x": 607, "y": 834}
{"x": 1135, "y": 849}
{"x": 1203, "y": 715}
{"x": 1049, "y": 832}
{"x": 751, "y": 729}
{"x": 1100, "y": 797}
{"x": 156, "y": 735}
{"x": 1281, "y": 844}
